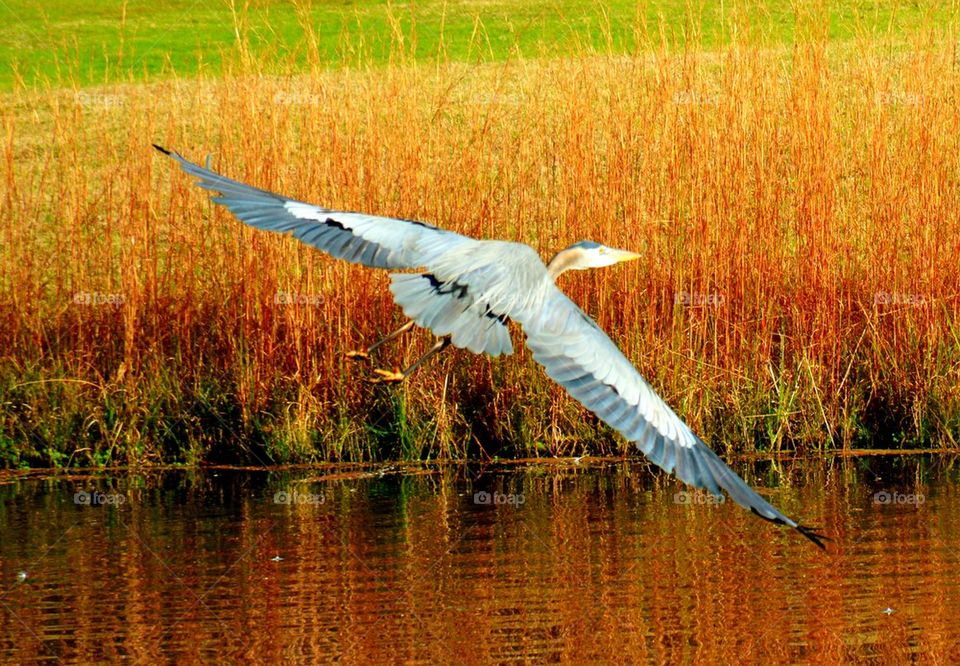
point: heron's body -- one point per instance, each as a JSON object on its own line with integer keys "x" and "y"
{"x": 466, "y": 291}
{"x": 471, "y": 293}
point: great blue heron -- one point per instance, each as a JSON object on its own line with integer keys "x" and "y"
{"x": 468, "y": 292}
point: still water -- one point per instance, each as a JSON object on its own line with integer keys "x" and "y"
{"x": 580, "y": 561}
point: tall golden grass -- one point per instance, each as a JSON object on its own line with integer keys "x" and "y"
{"x": 797, "y": 210}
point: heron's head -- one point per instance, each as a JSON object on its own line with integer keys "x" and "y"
{"x": 587, "y": 254}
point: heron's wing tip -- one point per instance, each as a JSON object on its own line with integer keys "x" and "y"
{"x": 812, "y": 533}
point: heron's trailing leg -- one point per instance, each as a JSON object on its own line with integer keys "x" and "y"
{"x": 364, "y": 355}
{"x": 391, "y": 376}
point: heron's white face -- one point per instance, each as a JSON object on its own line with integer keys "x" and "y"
{"x": 601, "y": 256}
{"x": 587, "y": 254}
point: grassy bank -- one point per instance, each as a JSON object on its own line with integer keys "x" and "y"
{"x": 122, "y": 40}
{"x": 797, "y": 208}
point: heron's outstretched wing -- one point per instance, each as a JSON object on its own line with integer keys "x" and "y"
{"x": 378, "y": 242}
{"x": 463, "y": 293}
{"x": 579, "y": 356}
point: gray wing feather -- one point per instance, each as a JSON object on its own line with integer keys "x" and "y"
{"x": 378, "y": 242}
{"x": 465, "y": 292}
{"x": 579, "y": 356}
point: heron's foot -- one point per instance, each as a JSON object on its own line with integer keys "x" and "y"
{"x": 387, "y": 376}
{"x": 358, "y": 355}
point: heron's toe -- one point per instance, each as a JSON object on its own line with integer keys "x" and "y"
{"x": 387, "y": 376}
{"x": 358, "y": 355}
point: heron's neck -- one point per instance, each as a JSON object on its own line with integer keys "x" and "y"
{"x": 564, "y": 260}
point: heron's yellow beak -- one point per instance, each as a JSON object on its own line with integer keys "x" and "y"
{"x": 624, "y": 255}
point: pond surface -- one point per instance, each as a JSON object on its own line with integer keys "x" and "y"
{"x": 563, "y": 561}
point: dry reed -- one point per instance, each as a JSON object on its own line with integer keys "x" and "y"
{"x": 797, "y": 210}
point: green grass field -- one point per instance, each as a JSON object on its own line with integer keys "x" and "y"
{"x": 99, "y": 42}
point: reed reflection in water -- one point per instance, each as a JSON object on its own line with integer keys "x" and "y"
{"x": 542, "y": 562}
